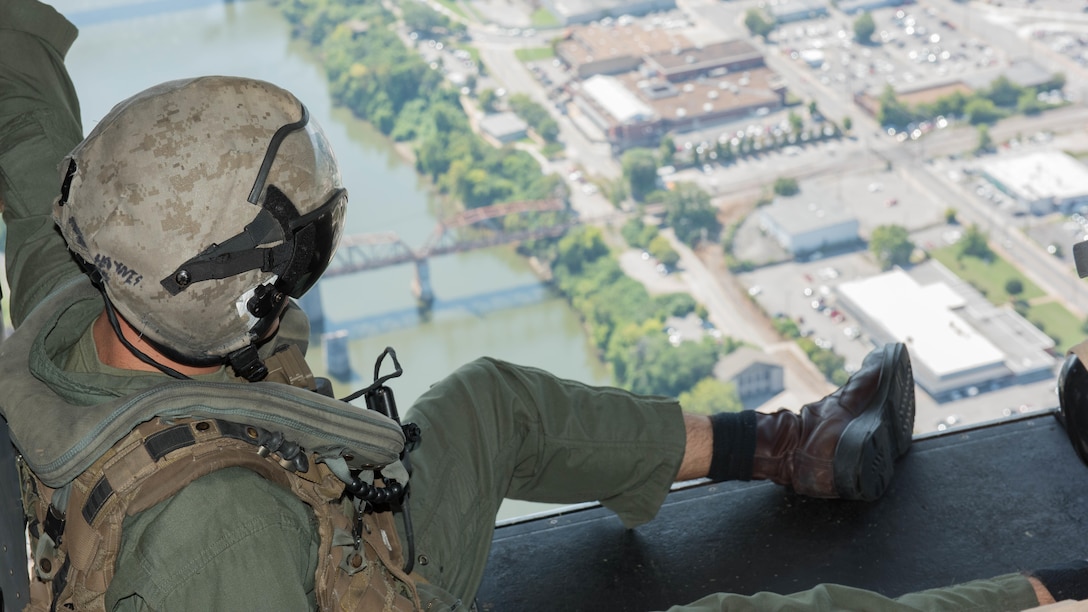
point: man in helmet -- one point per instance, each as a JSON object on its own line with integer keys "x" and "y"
{"x": 136, "y": 382}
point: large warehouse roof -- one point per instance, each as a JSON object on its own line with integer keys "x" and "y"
{"x": 924, "y": 317}
{"x": 617, "y": 100}
{"x": 1041, "y": 175}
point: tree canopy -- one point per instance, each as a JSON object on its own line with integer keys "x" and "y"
{"x": 640, "y": 170}
{"x": 711, "y": 396}
{"x": 891, "y": 246}
{"x": 757, "y": 24}
{"x": 689, "y": 212}
{"x": 973, "y": 244}
{"x": 786, "y": 186}
{"x": 864, "y": 26}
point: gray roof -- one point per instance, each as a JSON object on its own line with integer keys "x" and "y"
{"x": 740, "y": 360}
{"x": 503, "y": 124}
{"x": 797, "y": 215}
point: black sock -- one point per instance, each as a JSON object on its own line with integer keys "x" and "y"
{"x": 1066, "y": 581}
{"x": 734, "y": 445}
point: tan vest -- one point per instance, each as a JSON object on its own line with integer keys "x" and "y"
{"x": 123, "y": 456}
{"x": 360, "y": 558}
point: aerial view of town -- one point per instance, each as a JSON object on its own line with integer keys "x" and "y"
{"x": 733, "y": 201}
{"x": 878, "y": 170}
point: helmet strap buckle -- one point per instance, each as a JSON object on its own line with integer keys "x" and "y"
{"x": 247, "y": 364}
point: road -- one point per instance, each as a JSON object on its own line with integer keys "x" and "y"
{"x": 872, "y": 148}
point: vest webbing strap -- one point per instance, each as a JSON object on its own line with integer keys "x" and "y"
{"x": 158, "y": 459}
{"x": 14, "y": 587}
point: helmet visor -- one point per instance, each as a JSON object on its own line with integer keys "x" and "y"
{"x": 314, "y": 238}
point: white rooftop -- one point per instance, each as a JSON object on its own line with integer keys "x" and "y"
{"x": 923, "y": 318}
{"x": 1041, "y": 175}
{"x": 618, "y": 101}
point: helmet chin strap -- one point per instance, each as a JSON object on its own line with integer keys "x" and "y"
{"x": 111, "y": 314}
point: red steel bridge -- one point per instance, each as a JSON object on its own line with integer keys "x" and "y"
{"x": 466, "y": 231}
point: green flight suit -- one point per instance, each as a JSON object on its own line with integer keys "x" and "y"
{"x": 233, "y": 541}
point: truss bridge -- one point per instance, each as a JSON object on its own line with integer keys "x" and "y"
{"x": 477, "y": 228}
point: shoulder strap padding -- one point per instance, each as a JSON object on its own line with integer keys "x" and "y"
{"x": 59, "y": 440}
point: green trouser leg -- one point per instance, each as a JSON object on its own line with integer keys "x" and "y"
{"x": 492, "y": 430}
{"x": 1011, "y": 592}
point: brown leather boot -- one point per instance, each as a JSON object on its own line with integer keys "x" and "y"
{"x": 844, "y": 445}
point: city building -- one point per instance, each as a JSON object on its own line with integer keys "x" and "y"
{"x": 786, "y": 11}
{"x": 625, "y": 118}
{"x": 1042, "y": 181}
{"x": 960, "y": 344}
{"x": 853, "y": 7}
{"x": 804, "y": 227}
{"x": 571, "y": 12}
{"x": 713, "y": 60}
{"x": 504, "y": 128}
{"x": 614, "y": 48}
{"x": 753, "y": 372}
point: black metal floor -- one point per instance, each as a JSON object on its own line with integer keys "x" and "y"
{"x": 965, "y": 504}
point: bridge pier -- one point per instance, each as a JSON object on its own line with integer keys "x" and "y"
{"x": 421, "y": 285}
{"x": 314, "y": 308}
{"x": 337, "y": 359}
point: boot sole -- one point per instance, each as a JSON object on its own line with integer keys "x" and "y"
{"x": 870, "y": 444}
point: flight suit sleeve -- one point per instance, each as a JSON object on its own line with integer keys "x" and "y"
{"x": 39, "y": 125}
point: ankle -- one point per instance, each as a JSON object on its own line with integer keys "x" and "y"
{"x": 734, "y": 445}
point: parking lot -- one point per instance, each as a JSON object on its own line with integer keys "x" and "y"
{"x": 913, "y": 46}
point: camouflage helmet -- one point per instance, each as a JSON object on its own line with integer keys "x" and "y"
{"x": 201, "y": 204}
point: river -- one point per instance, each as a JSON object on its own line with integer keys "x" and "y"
{"x": 127, "y": 45}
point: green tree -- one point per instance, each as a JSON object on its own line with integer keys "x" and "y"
{"x": 757, "y": 24}
{"x": 663, "y": 252}
{"x": 581, "y": 247}
{"x": 711, "y": 396}
{"x": 786, "y": 186}
{"x": 1029, "y": 103}
{"x": 892, "y": 111}
{"x": 1057, "y": 81}
{"x": 640, "y": 170}
{"x": 952, "y": 105}
{"x": 1003, "y": 92}
{"x": 796, "y": 122}
{"x": 982, "y": 110}
{"x": 864, "y": 26}
{"x": 950, "y": 215}
{"x": 689, "y": 212}
{"x": 637, "y": 233}
{"x": 985, "y": 141}
{"x": 667, "y": 150}
{"x": 487, "y": 99}
{"x": 419, "y": 16}
{"x": 891, "y": 245}
{"x": 662, "y": 369}
{"x": 1014, "y": 286}
{"x": 974, "y": 244}
{"x": 847, "y": 124}
{"x": 674, "y": 304}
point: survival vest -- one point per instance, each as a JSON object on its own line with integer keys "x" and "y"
{"x": 84, "y": 468}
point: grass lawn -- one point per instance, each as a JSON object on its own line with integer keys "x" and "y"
{"x": 454, "y": 6}
{"x": 543, "y": 18}
{"x": 989, "y": 277}
{"x": 1058, "y": 323}
{"x": 533, "y": 54}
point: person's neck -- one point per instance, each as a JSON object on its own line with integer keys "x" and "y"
{"x": 113, "y": 353}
